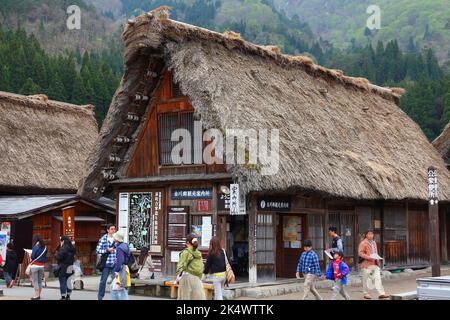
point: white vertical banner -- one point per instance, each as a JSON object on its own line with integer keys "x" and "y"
{"x": 234, "y": 199}
{"x": 124, "y": 209}
{"x": 237, "y": 200}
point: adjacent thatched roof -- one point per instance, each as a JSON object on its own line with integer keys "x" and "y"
{"x": 442, "y": 144}
{"x": 339, "y": 136}
{"x": 44, "y": 144}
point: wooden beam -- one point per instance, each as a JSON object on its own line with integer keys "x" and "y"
{"x": 408, "y": 260}
{"x": 252, "y": 216}
{"x": 443, "y": 225}
{"x": 433, "y": 214}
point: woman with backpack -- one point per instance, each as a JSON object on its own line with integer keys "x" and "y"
{"x": 10, "y": 267}
{"x": 122, "y": 280}
{"x": 189, "y": 271}
{"x": 65, "y": 257}
{"x": 145, "y": 265}
{"x": 215, "y": 267}
{"x": 37, "y": 262}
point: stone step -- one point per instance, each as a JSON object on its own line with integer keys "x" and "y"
{"x": 411, "y": 295}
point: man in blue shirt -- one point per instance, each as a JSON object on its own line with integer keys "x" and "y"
{"x": 309, "y": 266}
{"x": 106, "y": 246}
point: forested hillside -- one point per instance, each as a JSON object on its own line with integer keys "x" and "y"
{"x": 39, "y": 55}
{"x": 26, "y": 68}
{"x": 426, "y": 22}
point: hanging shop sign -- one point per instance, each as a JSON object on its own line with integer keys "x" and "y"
{"x": 237, "y": 200}
{"x": 274, "y": 204}
{"x": 223, "y": 201}
{"x": 193, "y": 193}
{"x": 177, "y": 226}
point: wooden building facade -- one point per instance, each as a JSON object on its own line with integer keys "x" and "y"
{"x": 348, "y": 156}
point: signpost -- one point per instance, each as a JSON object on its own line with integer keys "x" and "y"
{"x": 68, "y": 214}
{"x": 433, "y": 214}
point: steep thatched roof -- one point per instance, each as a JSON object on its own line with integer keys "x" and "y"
{"x": 442, "y": 144}
{"x": 339, "y": 136}
{"x": 44, "y": 144}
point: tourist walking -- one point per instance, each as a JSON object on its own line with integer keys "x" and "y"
{"x": 37, "y": 263}
{"x": 146, "y": 266}
{"x": 122, "y": 280}
{"x": 371, "y": 272}
{"x": 106, "y": 250}
{"x": 338, "y": 271}
{"x": 10, "y": 266}
{"x": 65, "y": 257}
{"x": 309, "y": 266}
{"x": 215, "y": 267}
{"x": 189, "y": 271}
{"x": 337, "y": 244}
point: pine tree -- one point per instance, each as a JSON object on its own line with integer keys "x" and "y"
{"x": 30, "y": 88}
{"x": 56, "y": 89}
{"x": 79, "y": 94}
{"x": 5, "y": 78}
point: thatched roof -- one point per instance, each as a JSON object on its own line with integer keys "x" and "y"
{"x": 442, "y": 144}
{"x": 44, "y": 144}
{"x": 339, "y": 136}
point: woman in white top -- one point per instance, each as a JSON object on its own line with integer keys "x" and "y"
{"x": 145, "y": 265}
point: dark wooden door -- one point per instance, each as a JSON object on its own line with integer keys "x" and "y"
{"x": 291, "y": 232}
{"x": 418, "y": 237}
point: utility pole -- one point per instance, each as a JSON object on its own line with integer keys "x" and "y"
{"x": 433, "y": 217}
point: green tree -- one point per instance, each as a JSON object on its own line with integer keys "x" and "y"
{"x": 29, "y": 88}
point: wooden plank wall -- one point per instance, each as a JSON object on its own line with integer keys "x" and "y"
{"x": 145, "y": 159}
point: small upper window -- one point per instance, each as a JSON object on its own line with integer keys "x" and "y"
{"x": 176, "y": 90}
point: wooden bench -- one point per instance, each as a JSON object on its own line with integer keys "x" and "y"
{"x": 208, "y": 288}
{"x": 152, "y": 287}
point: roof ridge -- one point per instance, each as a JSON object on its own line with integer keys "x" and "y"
{"x": 41, "y": 100}
{"x": 231, "y": 39}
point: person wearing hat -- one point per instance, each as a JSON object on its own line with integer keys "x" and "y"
{"x": 338, "y": 271}
{"x": 370, "y": 268}
{"x": 309, "y": 266}
{"x": 122, "y": 281}
{"x": 65, "y": 257}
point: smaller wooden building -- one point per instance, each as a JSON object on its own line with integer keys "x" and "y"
{"x": 26, "y": 216}
{"x": 44, "y": 145}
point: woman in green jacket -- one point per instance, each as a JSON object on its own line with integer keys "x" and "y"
{"x": 190, "y": 271}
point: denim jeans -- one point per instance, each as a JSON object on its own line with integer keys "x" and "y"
{"x": 103, "y": 279}
{"x": 339, "y": 288}
{"x": 37, "y": 275}
{"x": 8, "y": 277}
{"x": 64, "y": 286}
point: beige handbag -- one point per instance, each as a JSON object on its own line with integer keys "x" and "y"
{"x": 229, "y": 271}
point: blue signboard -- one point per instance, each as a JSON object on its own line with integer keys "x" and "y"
{"x": 191, "y": 193}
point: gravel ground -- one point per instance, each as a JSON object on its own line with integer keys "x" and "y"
{"x": 392, "y": 286}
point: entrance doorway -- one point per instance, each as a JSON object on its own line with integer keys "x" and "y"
{"x": 237, "y": 245}
{"x": 290, "y": 235}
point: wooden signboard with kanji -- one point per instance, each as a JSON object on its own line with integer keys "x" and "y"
{"x": 69, "y": 222}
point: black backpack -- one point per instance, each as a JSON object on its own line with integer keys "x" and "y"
{"x": 132, "y": 263}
